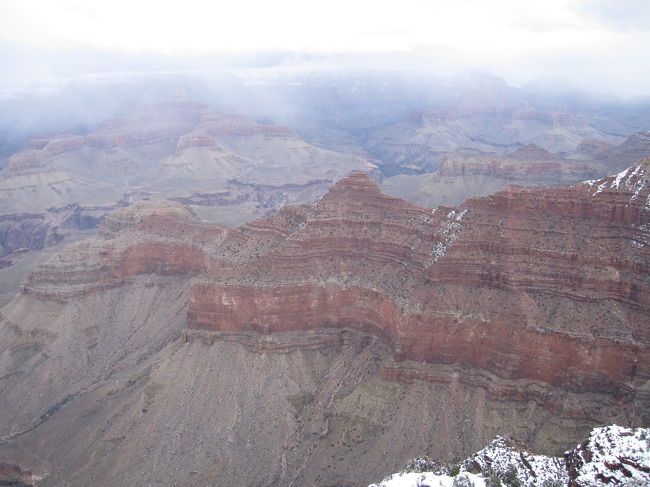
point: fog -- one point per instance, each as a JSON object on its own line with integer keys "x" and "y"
{"x": 68, "y": 64}
{"x": 596, "y": 45}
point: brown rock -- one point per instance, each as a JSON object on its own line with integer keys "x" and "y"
{"x": 542, "y": 285}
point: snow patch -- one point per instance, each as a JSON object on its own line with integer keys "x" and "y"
{"x": 600, "y": 188}
{"x": 631, "y": 179}
{"x": 617, "y": 456}
{"x": 642, "y": 236}
{"x": 613, "y": 455}
{"x": 299, "y": 228}
{"x": 447, "y": 235}
{"x": 504, "y": 459}
{"x": 455, "y": 215}
{"x": 417, "y": 479}
{"x": 619, "y": 177}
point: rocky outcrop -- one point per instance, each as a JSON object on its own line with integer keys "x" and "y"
{"x": 464, "y": 174}
{"x": 529, "y": 165}
{"x": 479, "y": 122}
{"x": 332, "y": 340}
{"x": 612, "y": 455}
{"x": 158, "y": 121}
{"x": 595, "y": 149}
{"x": 14, "y": 476}
{"x": 145, "y": 238}
{"x": 26, "y": 231}
{"x": 27, "y": 163}
{"x": 547, "y": 286}
{"x": 171, "y": 149}
{"x": 178, "y": 149}
{"x": 635, "y": 147}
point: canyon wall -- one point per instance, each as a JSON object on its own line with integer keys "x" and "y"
{"x": 330, "y": 342}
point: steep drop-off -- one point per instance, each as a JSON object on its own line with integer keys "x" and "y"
{"x": 331, "y": 342}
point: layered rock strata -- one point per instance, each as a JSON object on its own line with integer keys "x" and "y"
{"x": 331, "y": 341}
{"x": 548, "y": 286}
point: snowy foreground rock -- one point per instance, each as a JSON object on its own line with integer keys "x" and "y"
{"x": 612, "y": 455}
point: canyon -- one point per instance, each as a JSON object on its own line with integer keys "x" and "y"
{"x": 329, "y": 342}
{"x": 463, "y": 174}
{"x": 253, "y": 145}
{"x": 228, "y": 167}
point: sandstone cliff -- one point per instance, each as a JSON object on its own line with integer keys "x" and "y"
{"x": 332, "y": 341}
{"x": 540, "y": 285}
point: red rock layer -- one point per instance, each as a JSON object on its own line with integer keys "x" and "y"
{"x": 164, "y": 239}
{"x": 190, "y": 122}
{"x": 542, "y": 285}
{"x": 549, "y": 286}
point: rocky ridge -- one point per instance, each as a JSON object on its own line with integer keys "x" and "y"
{"x": 464, "y": 174}
{"x": 612, "y": 455}
{"x": 230, "y": 167}
{"x": 523, "y": 312}
{"x": 348, "y": 261}
{"x": 417, "y": 143}
{"x": 357, "y": 258}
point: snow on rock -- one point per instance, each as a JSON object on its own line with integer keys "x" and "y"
{"x": 506, "y": 458}
{"x": 633, "y": 180}
{"x": 430, "y": 479}
{"x": 642, "y": 236}
{"x": 612, "y": 456}
{"x": 447, "y": 235}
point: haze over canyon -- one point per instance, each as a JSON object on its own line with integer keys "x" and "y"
{"x": 309, "y": 277}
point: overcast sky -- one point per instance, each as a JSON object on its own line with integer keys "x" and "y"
{"x": 597, "y": 44}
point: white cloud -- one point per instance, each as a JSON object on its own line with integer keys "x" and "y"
{"x": 500, "y": 34}
{"x": 628, "y": 15}
{"x": 193, "y": 26}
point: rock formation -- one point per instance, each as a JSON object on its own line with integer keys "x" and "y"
{"x": 532, "y": 262}
{"x": 332, "y": 341}
{"x": 229, "y": 168}
{"x": 178, "y": 149}
{"x": 463, "y": 174}
{"x": 14, "y": 476}
{"x": 478, "y": 125}
{"x": 612, "y": 455}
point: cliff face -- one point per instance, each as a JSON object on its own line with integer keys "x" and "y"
{"x": 546, "y": 285}
{"x": 541, "y": 285}
{"x": 358, "y": 320}
{"x": 529, "y": 165}
{"x": 482, "y": 122}
{"x": 464, "y": 174}
{"x": 163, "y": 238}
